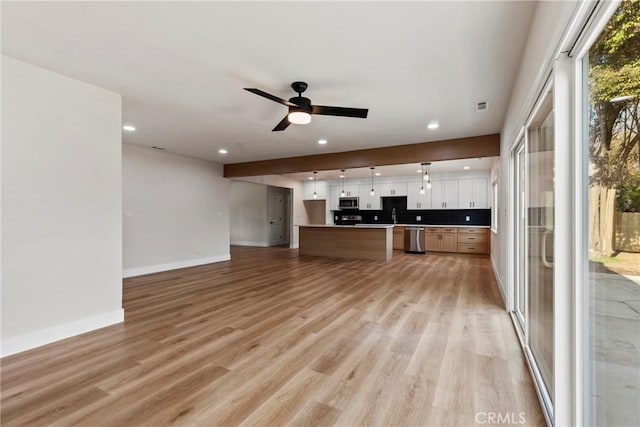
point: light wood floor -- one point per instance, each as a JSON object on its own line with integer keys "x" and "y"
{"x": 271, "y": 339}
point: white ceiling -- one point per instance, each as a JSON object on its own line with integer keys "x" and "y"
{"x": 448, "y": 166}
{"x": 181, "y": 67}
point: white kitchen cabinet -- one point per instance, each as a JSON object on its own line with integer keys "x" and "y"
{"x": 334, "y": 197}
{"x": 349, "y": 190}
{"x": 394, "y": 189}
{"x": 320, "y": 188}
{"x": 367, "y": 201}
{"x": 415, "y": 200}
{"x": 444, "y": 194}
{"x": 472, "y": 193}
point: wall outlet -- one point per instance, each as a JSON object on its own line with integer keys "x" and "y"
{"x": 467, "y": 218}
{"x": 375, "y": 217}
{"x": 418, "y": 218}
{"x": 336, "y": 217}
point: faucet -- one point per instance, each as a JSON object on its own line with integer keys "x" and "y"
{"x": 393, "y": 216}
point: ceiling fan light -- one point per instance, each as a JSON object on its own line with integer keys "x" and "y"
{"x": 299, "y": 118}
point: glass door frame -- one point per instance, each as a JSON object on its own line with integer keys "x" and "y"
{"x": 520, "y": 238}
{"x": 548, "y": 407}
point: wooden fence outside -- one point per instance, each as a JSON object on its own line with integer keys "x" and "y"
{"x": 627, "y": 231}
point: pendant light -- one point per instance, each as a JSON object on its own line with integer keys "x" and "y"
{"x": 428, "y": 175}
{"x": 422, "y": 165}
{"x": 342, "y": 194}
{"x": 315, "y": 178}
{"x": 372, "y": 192}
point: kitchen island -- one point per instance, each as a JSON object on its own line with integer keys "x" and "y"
{"x": 373, "y": 242}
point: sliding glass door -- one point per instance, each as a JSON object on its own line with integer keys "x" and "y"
{"x": 540, "y": 172}
{"x": 533, "y": 190}
{"x": 611, "y": 129}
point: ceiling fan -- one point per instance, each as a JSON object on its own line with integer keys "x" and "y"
{"x": 300, "y": 108}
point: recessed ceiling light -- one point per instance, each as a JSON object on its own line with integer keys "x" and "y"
{"x": 128, "y": 128}
{"x": 341, "y": 176}
{"x": 466, "y": 167}
{"x": 310, "y": 177}
{"x": 322, "y": 141}
{"x": 378, "y": 174}
{"x": 433, "y": 125}
{"x": 222, "y": 151}
{"x": 419, "y": 171}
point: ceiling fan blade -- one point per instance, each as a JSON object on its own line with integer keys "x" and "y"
{"x": 284, "y": 123}
{"x": 271, "y": 97}
{"x": 340, "y": 111}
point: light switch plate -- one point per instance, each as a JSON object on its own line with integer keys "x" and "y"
{"x": 467, "y": 218}
{"x": 418, "y": 218}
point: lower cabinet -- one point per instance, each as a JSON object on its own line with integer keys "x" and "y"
{"x": 441, "y": 239}
{"x": 398, "y": 238}
{"x": 454, "y": 239}
{"x": 473, "y": 240}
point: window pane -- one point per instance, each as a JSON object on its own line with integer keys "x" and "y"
{"x": 612, "y": 118}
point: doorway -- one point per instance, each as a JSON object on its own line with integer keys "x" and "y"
{"x": 277, "y": 208}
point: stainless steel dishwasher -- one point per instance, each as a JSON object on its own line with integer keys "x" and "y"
{"x": 414, "y": 240}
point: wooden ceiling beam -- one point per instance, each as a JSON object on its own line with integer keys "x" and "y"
{"x": 451, "y": 149}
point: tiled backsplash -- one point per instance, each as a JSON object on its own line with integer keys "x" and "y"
{"x": 428, "y": 216}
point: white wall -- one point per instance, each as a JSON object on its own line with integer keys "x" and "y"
{"x": 249, "y": 214}
{"x": 61, "y": 203}
{"x": 176, "y": 211}
{"x": 549, "y": 23}
{"x": 299, "y": 212}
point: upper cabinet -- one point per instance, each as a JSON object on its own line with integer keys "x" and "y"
{"x": 453, "y": 193}
{"x": 415, "y": 200}
{"x": 444, "y": 194}
{"x": 472, "y": 194}
{"x": 367, "y": 201}
{"x": 394, "y": 189}
{"x": 319, "y": 187}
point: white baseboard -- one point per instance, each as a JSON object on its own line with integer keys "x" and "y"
{"x": 293, "y": 246}
{"x": 500, "y": 285}
{"x": 149, "y": 269}
{"x": 47, "y": 336}
{"x": 247, "y": 243}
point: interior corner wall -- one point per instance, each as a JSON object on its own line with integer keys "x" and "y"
{"x": 176, "y": 211}
{"x": 299, "y": 211}
{"x": 61, "y": 203}
{"x": 249, "y": 214}
{"x": 550, "y": 21}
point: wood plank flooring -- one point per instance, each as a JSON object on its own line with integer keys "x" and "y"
{"x": 274, "y": 339}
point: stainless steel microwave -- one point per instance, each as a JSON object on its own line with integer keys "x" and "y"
{"x": 348, "y": 203}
